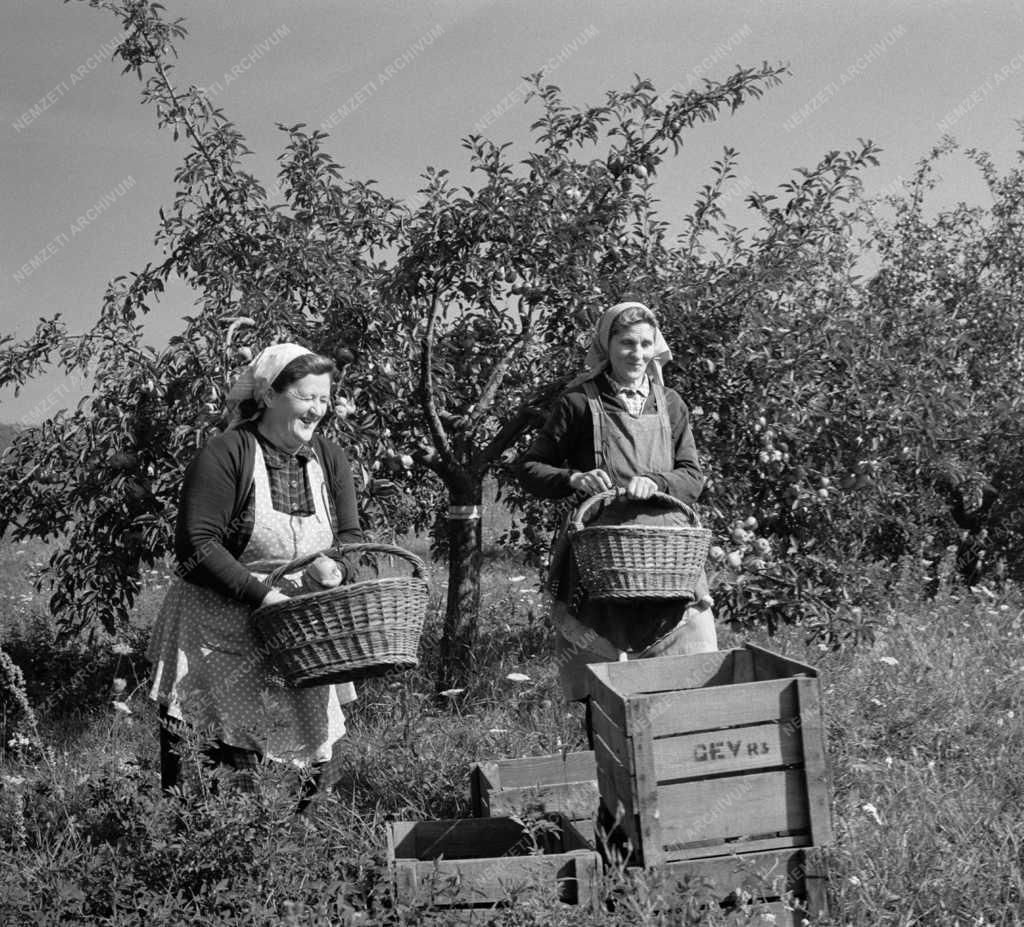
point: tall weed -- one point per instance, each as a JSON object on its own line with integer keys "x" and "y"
{"x": 926, "y": 748}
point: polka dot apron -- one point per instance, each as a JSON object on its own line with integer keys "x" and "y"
{"x": 208, "y": 667}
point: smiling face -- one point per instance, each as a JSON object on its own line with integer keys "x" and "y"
{"x": 290, "y": 417}
{"x": 630, "y": 351}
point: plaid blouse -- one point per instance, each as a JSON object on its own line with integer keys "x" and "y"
{"x": 289, "y": 482}
{"x": 633, "y": 398}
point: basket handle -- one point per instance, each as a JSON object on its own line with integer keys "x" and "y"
{"x": 590, "y": 502}
{"x": 418, "y": 566}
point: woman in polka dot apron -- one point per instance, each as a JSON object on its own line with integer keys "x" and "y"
{"x": 618, "y": 426}
{"x": 266, "y": 491}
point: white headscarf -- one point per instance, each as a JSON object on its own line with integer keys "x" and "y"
{"x": 597, "y": 354}
{"x": 258, "y": 375}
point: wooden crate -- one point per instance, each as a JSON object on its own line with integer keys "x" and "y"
{"x": 709, "y": 754}
{"x": 563, "y": 783}
{"x": 482, "y": 862}
{"x": 783, "y": 887}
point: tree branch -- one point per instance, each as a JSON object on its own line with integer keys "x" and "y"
{"x": 426, "y": 390}
{"x": 518, "y": 424}
{"x": 490, "y": 389}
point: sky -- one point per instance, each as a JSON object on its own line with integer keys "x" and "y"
{"x": 398, "y": 85}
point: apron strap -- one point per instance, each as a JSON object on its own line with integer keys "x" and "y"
{"x": 666, "y": 426}
{"x": 597, "y": 421}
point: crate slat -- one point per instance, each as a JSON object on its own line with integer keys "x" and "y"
{"x": 786, "y": 884}
{"x": 573, "y": 766}
{"x": 663, "y": 674}
{"x": 771, "y": 665}
{"x": 750, "y": 748}
{"x": 692, "y": 710}
{"x": 742, "y": 666}
{"x": 733, "y": 808}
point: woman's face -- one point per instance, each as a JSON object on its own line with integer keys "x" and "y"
{"x": 291, "y": 417}
{"x": 630, "y": 351}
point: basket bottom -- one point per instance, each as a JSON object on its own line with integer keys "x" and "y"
{"x": 329, "y": 675}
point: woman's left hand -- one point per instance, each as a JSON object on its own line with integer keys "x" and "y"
{"x": 641, "y": 487}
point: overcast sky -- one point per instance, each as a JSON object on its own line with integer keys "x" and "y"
{"x": 397, "y": 85}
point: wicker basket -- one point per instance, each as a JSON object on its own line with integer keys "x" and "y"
{"x": 367, "y": 628}
{"x": 632, "y": 561}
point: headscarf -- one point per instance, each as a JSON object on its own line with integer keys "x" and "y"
{"x": 258, "y": 375}
{"x": 597, "y": 354}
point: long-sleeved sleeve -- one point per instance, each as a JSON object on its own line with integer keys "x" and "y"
{"x": 205, "y": 528}
{"x": 556, "y": 452}
{"x": 343, "y": 490}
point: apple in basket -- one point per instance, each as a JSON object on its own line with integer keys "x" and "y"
{"x": 322, "y": 573}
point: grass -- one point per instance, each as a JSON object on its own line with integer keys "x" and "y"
{"x": 924, "y": 728}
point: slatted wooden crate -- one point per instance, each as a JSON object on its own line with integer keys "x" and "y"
{"x": 785, "y": 887}
{"x": 710, "y": 754}
{"x": 482, "y": 862}
{"x": 563, "y": 783}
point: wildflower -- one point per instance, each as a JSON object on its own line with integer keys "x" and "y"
{"x": 119, "y": 684}
{"x": 517, "y": 677}
{"x": 869, "y": 808}
{"x": 451, "y": 693}
{"x": 889, "y": 661}
{"x": 876, "y": 702}
{"x": 854, "y": 880}
{"x": 121, "y": 707}
{"x": 121, "y": 649}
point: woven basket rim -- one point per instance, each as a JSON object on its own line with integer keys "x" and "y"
{"x": 659, "y": 529}
{"x": 339, "y": 593}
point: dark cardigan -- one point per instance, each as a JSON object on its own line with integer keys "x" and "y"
{"x": 566, "y": 444}
{"x": 217, "y": 509}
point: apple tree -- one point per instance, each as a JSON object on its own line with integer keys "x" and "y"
{"x": 455, "y": 321}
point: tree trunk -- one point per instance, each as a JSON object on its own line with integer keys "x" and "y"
{"x": 464, "y": 560}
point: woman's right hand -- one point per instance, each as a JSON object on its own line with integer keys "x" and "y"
{"x": 273, "y": 596}
{"x": 591, "y": 482}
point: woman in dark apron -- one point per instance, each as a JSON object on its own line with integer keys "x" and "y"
{"x": 618, "y": 426}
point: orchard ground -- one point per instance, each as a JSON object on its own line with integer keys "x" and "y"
{"x": 924, "y": 726}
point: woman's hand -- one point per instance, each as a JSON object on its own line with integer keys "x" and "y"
{"x": 641, "y": 487}
{"x": 590, "y": 483}
{"x": 273, "y": 596}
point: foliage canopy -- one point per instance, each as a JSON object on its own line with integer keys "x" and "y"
{"x": 854, "y": 367}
